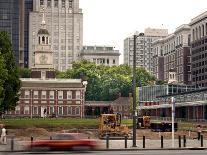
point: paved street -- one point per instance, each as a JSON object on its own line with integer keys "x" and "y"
{"x": 143, "y": 152}
{"x": 120, "y": 144}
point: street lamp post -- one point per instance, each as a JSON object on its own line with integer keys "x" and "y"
{"x": 84, "y": 95}
{"x": 134, "y": 93}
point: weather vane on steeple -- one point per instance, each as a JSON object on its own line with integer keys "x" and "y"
{"x": 43, "y": 19}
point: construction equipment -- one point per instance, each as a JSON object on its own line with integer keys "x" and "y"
{"x": 110, "y": 124}
{"x": 143, "y": 122}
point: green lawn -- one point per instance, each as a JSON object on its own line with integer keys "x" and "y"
{"x": 55, "y": 122}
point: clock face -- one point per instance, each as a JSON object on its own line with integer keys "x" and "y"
{"x": 43, "y": 59}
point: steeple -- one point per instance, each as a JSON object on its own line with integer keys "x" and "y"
{"x": 43, "y": 30}
{"x": 43, "y": 62}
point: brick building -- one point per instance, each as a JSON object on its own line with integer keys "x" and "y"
{"x": 52, "y": 97}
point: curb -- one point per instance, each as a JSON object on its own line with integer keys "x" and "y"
{"x": 127, "y": 149}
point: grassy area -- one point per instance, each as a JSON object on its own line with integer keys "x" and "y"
{"x": 55, "y": 122}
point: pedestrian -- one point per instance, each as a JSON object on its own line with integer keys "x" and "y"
{"x": 3, "y": 135}
{"x": 199, "y": 130}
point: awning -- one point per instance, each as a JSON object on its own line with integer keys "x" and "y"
{"x": 183, "y": 104}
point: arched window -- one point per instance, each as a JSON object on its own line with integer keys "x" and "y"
{"x": 193, "y": 35}
{"x": 203, "y": 30}
{"x": 43, "y": 40}
{"x": 196, "y": 37}
{"x": 39, "y": 40}
{"x": 46, "y": 40}
{"x": 199, "y": 33}
{"x": 206, "y": 28}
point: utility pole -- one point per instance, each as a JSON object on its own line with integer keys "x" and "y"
{"x": 134, "y": 94}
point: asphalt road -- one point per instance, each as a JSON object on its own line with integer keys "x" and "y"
{"x": 143, "y": 152}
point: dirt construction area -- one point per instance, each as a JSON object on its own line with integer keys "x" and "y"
{"x": 42, "y": 133}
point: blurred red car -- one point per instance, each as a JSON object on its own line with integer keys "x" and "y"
{"x": 65, "y": 141}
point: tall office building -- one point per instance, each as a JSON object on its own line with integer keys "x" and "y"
{"x": 64, "y": 21}
{"x": 199, "y": 50}
{"x": 27, "y": 10}
{"x": 172, "y": 53}
{"x": 12, "y": 20}
{"x": 144, "y": 53}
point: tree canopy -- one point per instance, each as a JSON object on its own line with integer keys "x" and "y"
{"x": 107, "y": 83}
{"x": 9, "y": 77}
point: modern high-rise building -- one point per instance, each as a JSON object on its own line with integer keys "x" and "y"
{"x": 144, "y": 53}
{"x": 173, "y": 53}
{"x": 199, "y": 50}
{"x": 105, "y": 55}
{"x": 13, "y": 14}
{"x": 64, "y": 21}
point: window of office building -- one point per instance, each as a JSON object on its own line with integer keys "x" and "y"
{"x": 49, "y": 3}
{"x": 70, "y": 3}
{"x": 41, "y": 2}
{"x": 56, "y": 3}
{"x": 63, "y": 3}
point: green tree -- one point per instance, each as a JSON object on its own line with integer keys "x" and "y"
{"x": 11, "y": 84}
{"x": 24, "y": 72}
{"x": 106, "y": 83}
{"x": 3, "y": 77}
{"x": 144, "y": 78}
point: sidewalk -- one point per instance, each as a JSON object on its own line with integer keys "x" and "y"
{"x": 154, "y": 144}
{"x": 120, "y": 144}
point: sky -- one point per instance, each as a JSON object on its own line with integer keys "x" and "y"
{"x": 109, "y": 22}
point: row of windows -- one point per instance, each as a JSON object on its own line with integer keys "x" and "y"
{"x": 63, "y": 4}
{"x": 199, "y": 32}
{"x": 196, "y": 51}
{"x": 199, "y": 71}
{"x": 199, "y": 64}
{"x": 198, "y": 43}
{"x": 50, "y": 102}
{"x": 51, "y": 94}
{"x": 69, "y": 110}
{"x": 64, "y": 47}
{"x": 198, "y": 57}
{"x": 200, "y": 78}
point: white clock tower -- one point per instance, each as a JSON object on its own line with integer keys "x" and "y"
{"x": 43, "y": 55}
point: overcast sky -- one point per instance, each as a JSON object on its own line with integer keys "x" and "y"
{"x": 109, "y": 22}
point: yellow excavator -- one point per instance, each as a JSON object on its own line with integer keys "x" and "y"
{"x": 110, "y": 124}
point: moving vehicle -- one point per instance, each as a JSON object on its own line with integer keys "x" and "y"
{"x": 65, "y": 141}
{"x": 110, "y": 124}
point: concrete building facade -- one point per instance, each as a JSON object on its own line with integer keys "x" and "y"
{"x": 64, "y": 21}
{"x": 173, "y": 52}
{"x": 199, "y": 50}
{"x": 144, "y": 52}
{"x": 105, "y": 55}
